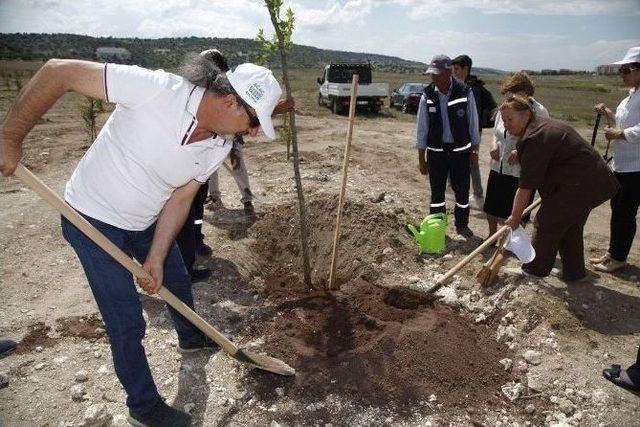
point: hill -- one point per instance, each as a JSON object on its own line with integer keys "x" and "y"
{"x": 167, "y": 52}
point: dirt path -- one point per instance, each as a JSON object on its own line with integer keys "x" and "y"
{"x": 365, "y": 356}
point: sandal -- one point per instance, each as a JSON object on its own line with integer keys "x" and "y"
{"x": 628, "y": 379}
{"x": 610, "y": 266}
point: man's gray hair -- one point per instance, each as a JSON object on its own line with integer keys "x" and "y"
{"x": 204, "y": 73}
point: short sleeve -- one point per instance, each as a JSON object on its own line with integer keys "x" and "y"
{"x": 535, "y": 154}
{"x": 132, "y": 86}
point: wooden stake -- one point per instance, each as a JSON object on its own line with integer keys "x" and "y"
{"x": 345, "y": 166}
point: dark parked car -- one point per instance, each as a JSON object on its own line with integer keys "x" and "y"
{"x": 407, "y": 97}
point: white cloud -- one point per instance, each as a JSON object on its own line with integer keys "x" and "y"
{"x": 428, "y": 8}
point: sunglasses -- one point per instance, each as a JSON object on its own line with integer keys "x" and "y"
{"x": 626, "y": 70}
{"x": 253, "y": 119}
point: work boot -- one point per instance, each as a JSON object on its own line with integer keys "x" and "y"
{"x": 600, "y": 259}
{"x": 248, "y": 208}
{"x": 204, "y": 250}
{"x": 161, "y": 415}
{"x": 464, "y": 232}
{"x": 205, "y": 344}
{"x": 7, "y": 347}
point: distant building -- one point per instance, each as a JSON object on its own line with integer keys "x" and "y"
{"x": 111, "y": 53}
{"x": 607, "y": 69}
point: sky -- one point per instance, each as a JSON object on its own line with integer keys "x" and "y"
{"x": 503, "y": 34}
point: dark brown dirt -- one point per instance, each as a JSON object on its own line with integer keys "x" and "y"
{"x": 357, "y": 343}
{"x": 36, "y": 337}
{"x": 85, "y": 327}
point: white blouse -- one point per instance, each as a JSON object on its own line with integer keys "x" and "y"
{"x": 507, "y": 143}
{"x": 626, "y": 152}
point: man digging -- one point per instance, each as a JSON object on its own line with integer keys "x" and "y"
{"x": 136, "y": 184}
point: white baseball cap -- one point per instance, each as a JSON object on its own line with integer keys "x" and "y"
{"x": 633, "y": 55}
{"x": 260, "y": 90}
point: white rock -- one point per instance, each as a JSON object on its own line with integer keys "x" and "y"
{"x": 449, "y": 295}
{"x": 599, "y": 397}
{"x": 448, "y": 256}
{"x": 39, "y": 349}
{"x": 507, "y": 333}
{"x": 39, "y": 366}
{"x": 521, "y": 367}
{"x": 4, "y": 380}
{"x": 103, "y": 369}
{"x": 506, "y": 363}
{"x": 81, "y": 376}
{"x": 120, "y": 420}
{"x": 60, "y": 360}
{"x": 566, "y": 406}
{"x": 275, "y": 424}
{"x": 512, "y": 390}
{"x": 279, "y": 391}
{"x": 387, "y": 251}
{"x": 188, "y": 407}
{"x": 96, "y": 415}
{"x": 534, "y": 382}
{"x": 480, "y": 318}
{"x": 433, "y": 398}
{"x": 78, "y": 392}
{"x": 530, "y": 409}
{"x": 533, "y": 357}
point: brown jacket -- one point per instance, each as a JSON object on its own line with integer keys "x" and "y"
{"x": 570, "y": 175}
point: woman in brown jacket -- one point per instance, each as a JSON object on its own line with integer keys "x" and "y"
{"x": 571, "y": 178}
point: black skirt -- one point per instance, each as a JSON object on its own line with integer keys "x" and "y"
{"x": 501, "y": 189}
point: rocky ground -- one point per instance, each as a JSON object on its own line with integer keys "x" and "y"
{"x": 520, "y": 353}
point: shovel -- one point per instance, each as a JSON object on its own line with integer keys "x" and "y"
{"x": 491, "y": 240}
{"x": 489, "y": 270}
{"x": 256, "y": 360}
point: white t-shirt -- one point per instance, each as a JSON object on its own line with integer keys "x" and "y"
{"x": 507, "y": 143}
{"x": 141, "y": 156}
{"x": 626, "y": 152}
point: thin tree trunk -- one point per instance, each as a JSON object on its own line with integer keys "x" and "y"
{"x": 294, "y": 145}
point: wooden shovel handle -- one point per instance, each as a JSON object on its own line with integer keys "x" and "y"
{"x": 449, "y": 274}
{"x": 49, "y": 196}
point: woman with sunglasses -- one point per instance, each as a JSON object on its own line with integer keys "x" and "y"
{"x": 625, "y": 139}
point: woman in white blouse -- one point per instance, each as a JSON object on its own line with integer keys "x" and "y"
{"x": 625, "y": 139}
{"x": 505, "y": 167}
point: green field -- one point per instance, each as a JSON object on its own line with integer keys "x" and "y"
{"x": 568, "y": 98}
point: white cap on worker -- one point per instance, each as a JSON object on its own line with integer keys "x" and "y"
{"x": 259, "y": 89}
{"x": 633, "y": 55}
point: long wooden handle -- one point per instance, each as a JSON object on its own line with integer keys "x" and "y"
{"x": 345, "y": 166}
{"x": 449, "y": 274}
{"x": 49, "y": 196}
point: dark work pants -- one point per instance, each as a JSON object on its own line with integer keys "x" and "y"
{"x": 566, "y": 238}
{"x": 624, "y": 208}
{"x": 453, "y": 164}
{"x": 190, "y": 236}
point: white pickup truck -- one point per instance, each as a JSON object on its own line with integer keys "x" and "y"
{"x": 335, "y": 88}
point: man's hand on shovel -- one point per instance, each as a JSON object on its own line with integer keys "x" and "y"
{"x": 152, "y": 284}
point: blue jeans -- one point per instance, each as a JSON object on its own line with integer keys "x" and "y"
{"x": 119, "y": 303}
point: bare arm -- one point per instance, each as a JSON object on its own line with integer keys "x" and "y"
{"x": 171, "y": 219}
{"x": 55, "y": 78}
{"x": 520, "y": 202}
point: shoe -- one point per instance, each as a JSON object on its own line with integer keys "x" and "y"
{"x": 204, "y": 250}
{"x": 464, "y": 231}
{"x": 215, "y": 205}
{"x": 248, "y": 208}
{"x": 600, "y": 259}
{"x": 161, "y": 415}
{"x": 198, "y": 275}
{"x": 205, "y": 344}
{"x": 609, "y": 266}
{"x": 7, "y": 347}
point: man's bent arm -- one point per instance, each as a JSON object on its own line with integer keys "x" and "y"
{"x": 55, "y": 78}
{"x": 171, "y": 219}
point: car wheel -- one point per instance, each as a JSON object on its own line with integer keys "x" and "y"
{"x": 405, "y": 109}
{"x": 391, "y": 103}
{"x": 320, "y": 103}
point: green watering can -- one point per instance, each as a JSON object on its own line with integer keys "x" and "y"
{"x": 431, "y": 236}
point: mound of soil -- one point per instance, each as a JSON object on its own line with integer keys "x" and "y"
{"x": 365, "y": 232}
{"x": 381, "y": 347}
{"x": 88, "y": 327}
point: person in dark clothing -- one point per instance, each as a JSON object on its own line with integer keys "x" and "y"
{"x": 570, "y": 176}
{"x": 485, "y": 105}
{"x": 447, "y": 136}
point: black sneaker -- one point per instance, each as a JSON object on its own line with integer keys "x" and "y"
{"x": 204, "y": 250}
{"x": 464, "y": 231}
{"x": 199, "y": 274}
{"x": 248, "y": 208}
{"x": 206, "y": 344}
{"x": 161, "y": 415}
{"x": 7, "y": 347}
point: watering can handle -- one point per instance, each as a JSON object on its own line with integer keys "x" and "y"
{"x": 413, "y": 230}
